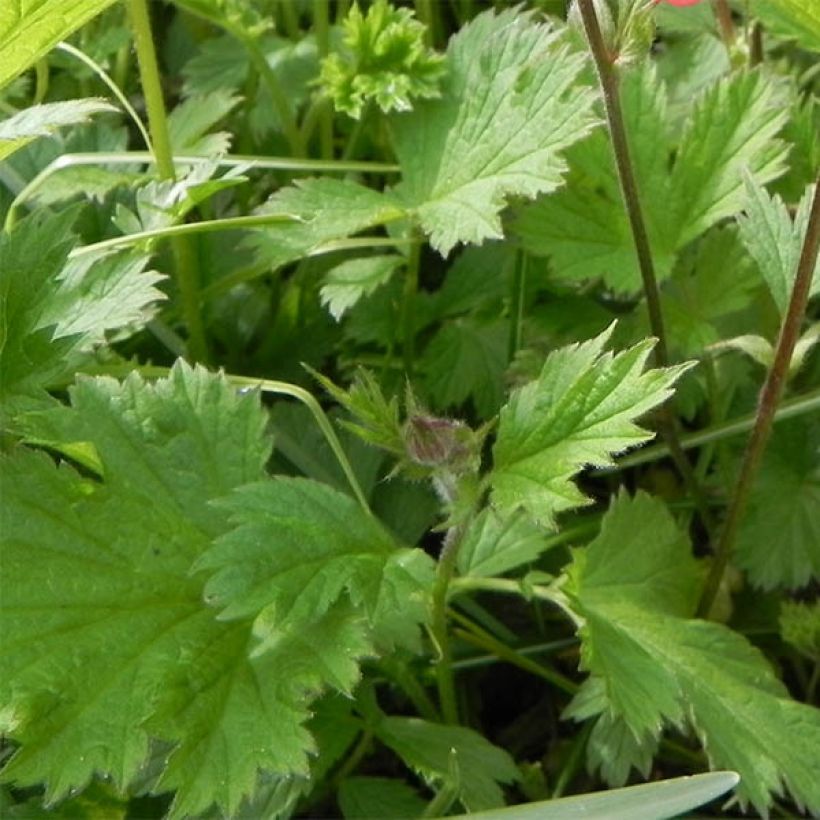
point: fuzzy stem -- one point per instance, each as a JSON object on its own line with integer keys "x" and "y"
{"x": 444, "y": 670}
{"x": 725, "y": 23}
{"x": 608, "y": 77}
{"x": 767, "y": 404}
{"x": 185, "y": 264}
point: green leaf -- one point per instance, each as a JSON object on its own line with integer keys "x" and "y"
{"x": 466, "y": 358}
{"x": 494, "y": 544}
{"x": 53, "y": 310}
{"x": 361, "y": 798}
{"x": 190, "y": 121}
{"x": 584, "y": 228}
{"x": 651, "y": 801}
{"x": 42, "y": 120}
{"x": 580, "y": 411}
{"x": 800, "y": 627}
{"x": 348, "y": 282}
{"x": 328, "y": 551}
{"x": 427, "y": 748}
{"x": 323, "y": 209}
{"x": 798, "y": 19}
{"x": 778, "y": 541}
{"x": 31, "y": 28}
{"x": 732, "y": 129}
{"x": 108, "y": 563}
{"x": 774, "y": 241}
{"x": 509, "y": 106}
{"x": 632, "y": 586}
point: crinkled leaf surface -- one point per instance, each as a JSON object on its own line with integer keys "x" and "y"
{"x": 42, "y": 120}
{"x": 30, "y": 28}
{"x": 580, "y": 411}
{"x": 635, "y": 585}
{"x": 435, "y": 750}
{"x": 109, "y": 641}
{"x": 731, "y": 126}
{"x": 510, "y": 104}
{"x": 53, "y": 309}
{"x": 778, "y": 541}
{"x": 298, "y": 548}
{"x": 774, "y": 241}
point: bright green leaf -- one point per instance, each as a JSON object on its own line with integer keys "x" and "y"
{"x": 42, "y": 120}
{"x": 800, "y": 627}
{"x": 31, "y": 28}
{"x": 510, "y": 104}
{"x": 580, "y": 411}
{"x": 190, "y": 121}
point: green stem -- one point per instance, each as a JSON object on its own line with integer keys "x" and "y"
{"x": 478, "y": 637}
{"x": 41, "y": 75}
{"x": 355, "y": 757}
{"x": 185, "y": 267}
{"x": 321, "y": 27}
{"x": 113, "y": 88}
{"x": 407, "y": 318}
{"x": 767, "y": 404}
{"x": 355, "y": 134}
{"x": 573, "y": 761}
{"x": 397, "y": 671}
{"x": 608, "y": 77}
{"x": 305, "y": 397}
{"x": 440, "y": 804}
{"x": 517, "y": 291}
{"x": 290, "y": 16}
{"x": 444, "y": 670}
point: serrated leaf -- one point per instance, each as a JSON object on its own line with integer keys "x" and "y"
{"x": 584, "y": 227}
{"x": 466, "y": 358}
{"x": 778, "y": 541}
{"x": 798, "y": 19}
{"x": 774, "y": 241}
{"x": 42, "y": 120}
{"x": 509, "y": 106}
{"x": 427, "y": 748}
{"x": 494, "y": 544}
{"x": 190, "y": 121}
{"x": 731, "y": 126}
{"x": 53, "y": 310}
{"x": 659, "y": 668}
{"x": 322, "y": 209}
{"x": 30, "y": 28}
{"x": 348, "y": 282}
{"x": 109, "y": 562}
{"x": 580, "y": 411}
{"x": 327, "y": 550}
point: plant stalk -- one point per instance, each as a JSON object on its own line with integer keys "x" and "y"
{"x": 608, "y": 77}
{"x": 321, "y": 26}
{"x": 185, "y": 264}
{"x": 444, "y": 669}
{"x": 770, "y": 396}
